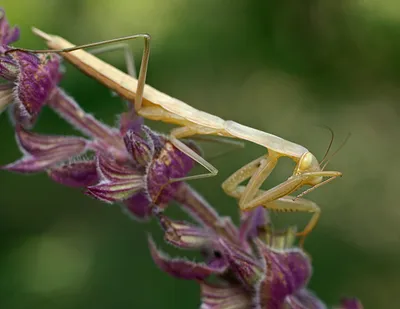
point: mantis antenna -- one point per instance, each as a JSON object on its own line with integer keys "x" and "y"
{"x": 326, "y": 160}
{"x": 330, "y": 142}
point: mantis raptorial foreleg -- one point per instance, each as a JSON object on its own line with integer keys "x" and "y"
{"x": 257, "y": 170}
{"x": 250, "y": 196}
{"x": 290, "y": 204}
{"x": 285, "y": 188}
{"x": 276, "y": 198}
{"x": 231, "y": 185}
{"x": 331, "y": 177}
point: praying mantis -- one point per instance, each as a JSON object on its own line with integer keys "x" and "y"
{"x": 153, "y": 104}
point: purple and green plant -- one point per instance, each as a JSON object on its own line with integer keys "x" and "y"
{"x": 245, "y": 266}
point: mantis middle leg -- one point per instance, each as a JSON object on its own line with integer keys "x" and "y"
{"x": 155, "y": 112}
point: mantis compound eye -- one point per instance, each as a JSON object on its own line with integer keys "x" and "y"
{"x": 306, "y": 161}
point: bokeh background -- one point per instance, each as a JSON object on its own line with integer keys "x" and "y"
{"x": 285, "y": 67}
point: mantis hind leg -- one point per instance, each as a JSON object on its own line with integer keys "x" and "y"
{"x": 143, "y": 66}
{"x": 128, "y": 55}
{"x": 129, "y": 60}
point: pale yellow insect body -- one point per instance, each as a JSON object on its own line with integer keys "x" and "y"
{"x": 157, "y": 105}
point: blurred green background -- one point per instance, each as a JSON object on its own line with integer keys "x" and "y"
{"x": 285, "y": 67}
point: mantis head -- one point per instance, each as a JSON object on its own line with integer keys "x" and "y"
{"x": 308, "y": 163}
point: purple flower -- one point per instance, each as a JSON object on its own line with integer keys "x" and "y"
{"x": 131, "y": 165}
{"x": 75, "y": 174}
{"x": 29, "y": 79}
{"x": 61, "y": 156}
{"x": 254, "y": 267}
{"x": 44, "y": 151}
{"x": 7, "y": 35}
{"x": 144, "y": 178}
